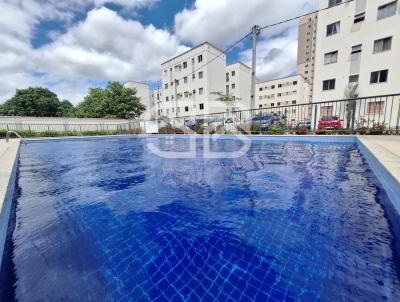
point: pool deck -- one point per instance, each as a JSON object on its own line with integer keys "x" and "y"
{"x": 386, "y": 150}
{"x": 8, "y": 168}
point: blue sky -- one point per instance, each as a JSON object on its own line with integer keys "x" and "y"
{"x": 70, "y": 46}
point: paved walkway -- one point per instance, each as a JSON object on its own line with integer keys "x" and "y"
{"x": 386, "y": 149}
{"x": 8, "y": 153}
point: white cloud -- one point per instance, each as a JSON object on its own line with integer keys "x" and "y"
{"x": 102, "y": 47}
{"x": 225, "y": 21}
{"x": 276, "y": 56}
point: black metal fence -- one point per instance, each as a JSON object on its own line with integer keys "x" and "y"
{"x": 370, "y": 115}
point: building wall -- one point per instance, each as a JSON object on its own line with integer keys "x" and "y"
{"x": 143, "y": 92}
{"x": 238, "y": 79}
{"x": 306, "y": 47}
{"x": 287, "y": 91}
{"x": 183, "y": 99}
{"x": 362, "y": 63}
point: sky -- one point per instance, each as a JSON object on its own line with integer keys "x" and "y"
{"x": 69, "y": 46}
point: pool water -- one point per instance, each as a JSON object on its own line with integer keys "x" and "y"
{"x": 107, "y": 220}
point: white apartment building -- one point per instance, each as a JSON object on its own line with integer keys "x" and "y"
{"x": 357, "y": 42}
{"x": 189, "y": 79}
{"x": 293, "y": 90}
{"x": 306, "y": 47}
{"x": 156, "y": 100}
{"x": 238, "y": 84}
{"x": 143, "y": 92}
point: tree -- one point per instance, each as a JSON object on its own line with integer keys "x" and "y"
{"x": 33, "y": 101}
{"x": 351, "y": 93}
{"x": 228, "y": 99}
{"x": 115, "y": 101}
{"x": 66, "y": 109}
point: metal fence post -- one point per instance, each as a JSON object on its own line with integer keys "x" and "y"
{"x": 353, "y": 115}
{"x": 315, "y": 118}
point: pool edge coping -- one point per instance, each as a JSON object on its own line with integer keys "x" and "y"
{"x": 8, "y": 177}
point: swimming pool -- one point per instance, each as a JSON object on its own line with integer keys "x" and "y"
{"x": 107, "y": 220}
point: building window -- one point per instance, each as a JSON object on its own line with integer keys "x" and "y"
{"x": 279, "y": 94}
{"x": 331, "y": 57}
{"x": 356, "y": 49}
{"x": 200, "y": 75}
{"x": 379, "y": 76}
{"x": 227, "y": 76}
{"x": 233, "y": 73}
{"x": 273, "y": 87}
{"x": 272, "y": 104}
{"x": 387, "y": 10}
{"x": 166, "y": 99}
{"x": 294, "y": 82}
{"x": 185, "y": 80}
{"x": 193, "y": 76}
{"x": 184, "y": 65}
{"x": 279, "y": 85}
{"x": 186, "y": 108}
{"x": 201, "y": 106}
{"x": 227, "y": 89}
{"x": 294, "y": 102}
{"x": 201, "y": 90}
{"x": 233, "y": 86}
{"x": 382, "y": 45}
{"x": 375, "y": 107}
{"x": 359, "y": 17}
{"x": 259, "y": 106}
{"x": 278, "y": 104}
{"x": 333, "y": 29}
{"x": 260, "y": 89}
{"x": 166, "y": 86}
{"x": 334, "y": 2}
{"x": 326, "y": 111}
{"x": 329, "y": 84}
{"x": 353, "y": 78}
{"x": 200, "y": 58}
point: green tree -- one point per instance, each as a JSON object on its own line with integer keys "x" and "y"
{"x": 33, "y": 101}
{"x": 351, "y": 93}
{"x": 115, "y": 101}
{"x": 65, "y": 109}
{"x": 228, "y": 99}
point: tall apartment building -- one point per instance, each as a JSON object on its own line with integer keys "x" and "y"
{"x": 238, "y": 84}
{"x": 357, "y": 42}
{"x": 306, "y": 47}
{"x": 156, "y": 100}
{"x": 189, "y": 79}
{"x": 293, "y": 90}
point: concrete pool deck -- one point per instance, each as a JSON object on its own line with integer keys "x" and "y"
{"x": 8, "y": 171}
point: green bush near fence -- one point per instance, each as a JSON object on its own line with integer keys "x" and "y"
{"x": 30, "y": 134}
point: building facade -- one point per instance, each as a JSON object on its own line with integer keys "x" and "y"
{"x": 143, "y": 92}
{"x": 189, "y": 79}
{"x": 238, "y": 84}
{"x": 288, "y": 91}
{"x": 357, "y": 43}
{"x": 306, "y": 47}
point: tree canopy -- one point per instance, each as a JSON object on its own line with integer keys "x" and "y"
{"x": 33, "y": 101}
{"x": 114, "y": 101}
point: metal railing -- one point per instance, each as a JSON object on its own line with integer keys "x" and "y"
{"x": 368, "y": 115}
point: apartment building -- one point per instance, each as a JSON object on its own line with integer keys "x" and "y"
{"x": 293, "y": 90}
{"x": 189, "y": 79}
{"x": 306, "y": 47}
{"x": 238, "y": 84}
{"x": 357, "y": 42}
{"x": 156, "y": 100}
{"x": 143, "y": 92}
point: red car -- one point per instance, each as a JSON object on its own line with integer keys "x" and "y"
{"x": 330, "y": 123}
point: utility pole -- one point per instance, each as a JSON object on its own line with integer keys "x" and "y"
{"x": 256, "y": 31}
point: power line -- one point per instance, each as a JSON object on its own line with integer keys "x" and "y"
{"x": 305, "y": 15}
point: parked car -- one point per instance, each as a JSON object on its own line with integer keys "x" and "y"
{"x": 227, "y": 123}
{"x": 329, "y": 123}
{"x": 294, "y": 124}
{"x": 262, "y": 122}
